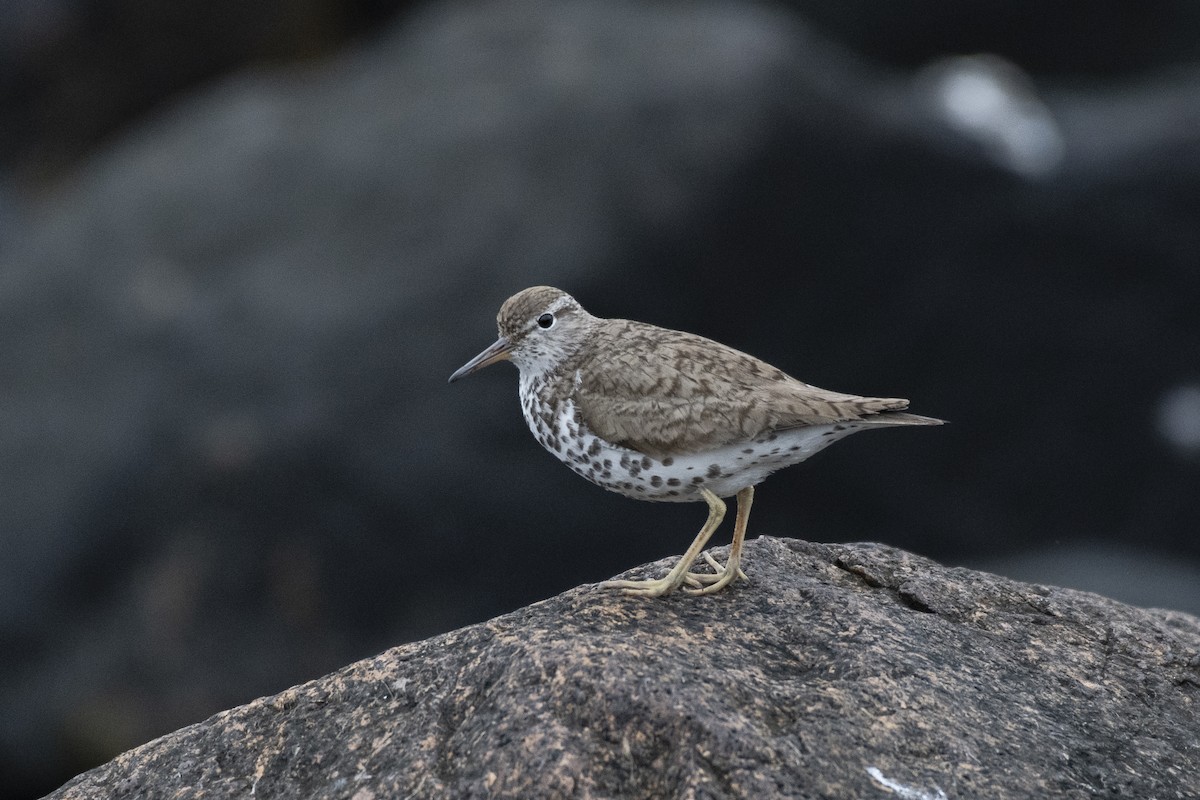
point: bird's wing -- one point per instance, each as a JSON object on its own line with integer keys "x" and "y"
{"x": 660, "y": 391}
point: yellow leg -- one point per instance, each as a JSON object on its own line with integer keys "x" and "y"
{"x": 677, "y": 575}
{"x": 731, "y": 570}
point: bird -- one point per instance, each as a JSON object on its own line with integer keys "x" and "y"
{"x": 663, "y": 415}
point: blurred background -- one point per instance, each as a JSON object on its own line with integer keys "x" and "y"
{"x": 242, "y": 246}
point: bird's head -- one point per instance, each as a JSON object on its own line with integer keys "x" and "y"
{"x": 540, "y": 327}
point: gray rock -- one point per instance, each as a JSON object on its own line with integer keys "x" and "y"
{"x": 838, "y": 671}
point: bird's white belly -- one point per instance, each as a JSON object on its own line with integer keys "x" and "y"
{"x": 724, "y": 471}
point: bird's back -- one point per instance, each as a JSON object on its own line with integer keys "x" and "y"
{"x": 657, "y": 390}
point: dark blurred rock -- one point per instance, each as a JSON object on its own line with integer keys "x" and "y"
{"x": 1108, "y": 38}
{"x": 836, "y": 672}
{"x": 227, "y": 430}
{"x": 231, "y": 461}
{"x": 73, "y": 73}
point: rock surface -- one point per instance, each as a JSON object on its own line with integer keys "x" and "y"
{"x": 838, "y": 671}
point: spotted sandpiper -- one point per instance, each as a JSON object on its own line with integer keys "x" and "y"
{"x": 658, "y": 414}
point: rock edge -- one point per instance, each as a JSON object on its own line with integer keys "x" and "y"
{"x": 837, "y": 671}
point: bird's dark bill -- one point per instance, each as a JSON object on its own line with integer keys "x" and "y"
{"x": 498, "y": 351}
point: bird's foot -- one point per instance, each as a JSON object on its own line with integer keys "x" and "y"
{"x": 700, "y": 582}
{"x": 656, "y": 588}
{"x": 712, "y": 582}
{"x": 698, "y": 579}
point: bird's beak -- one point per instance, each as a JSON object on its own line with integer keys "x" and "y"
{"x": 500, "y": 350}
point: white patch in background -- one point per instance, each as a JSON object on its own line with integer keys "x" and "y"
{"x": 993, "y": 102}
{"x": 905, "y": 792}
{"x": 1179, "y": 418}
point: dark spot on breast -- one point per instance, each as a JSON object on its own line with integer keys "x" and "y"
{"x": 608, "y": 463}
{"x": 673, "y": 493}
{"x": 749, "y": 451}
{"x": 641, "y": 489}
{"x": 625, "y": 461}
{"x": 668, "y": 461}
{"x": 626, "y": 485}
{"x": 656, "y": 481}
{"x": 714, "y": 470}
{"x": 606, "y": 474}
{"x": 645, "y": 462}
{"x": 594, "y": 448}
{"x": 697, "y": 479}
{"x": 772, "y": 437}
{"x": 672, "y": 481}
{"x": 774, "y": 451}
{"x": 840, "y": 428}
{"x": 794, "y": 448}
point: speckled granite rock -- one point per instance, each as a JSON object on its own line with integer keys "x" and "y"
{"x": 842, "y": 671}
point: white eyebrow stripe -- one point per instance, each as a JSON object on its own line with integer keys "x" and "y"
{"x": 566, "y": 301}
{"x": 560, "y": 304}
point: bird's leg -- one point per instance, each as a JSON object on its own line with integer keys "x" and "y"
{"x": 698, "y": 579}
{"x": 672, "y": 580}
{"x": 727, "y": 574}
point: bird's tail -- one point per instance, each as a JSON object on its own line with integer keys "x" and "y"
{"x": 902, "y": 418}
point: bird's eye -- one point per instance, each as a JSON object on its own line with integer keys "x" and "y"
{"x": 545, "y": 320}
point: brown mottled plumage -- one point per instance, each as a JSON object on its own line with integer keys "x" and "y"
{"x": 658, "y": 414}
{"x": 696, "y": 394}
